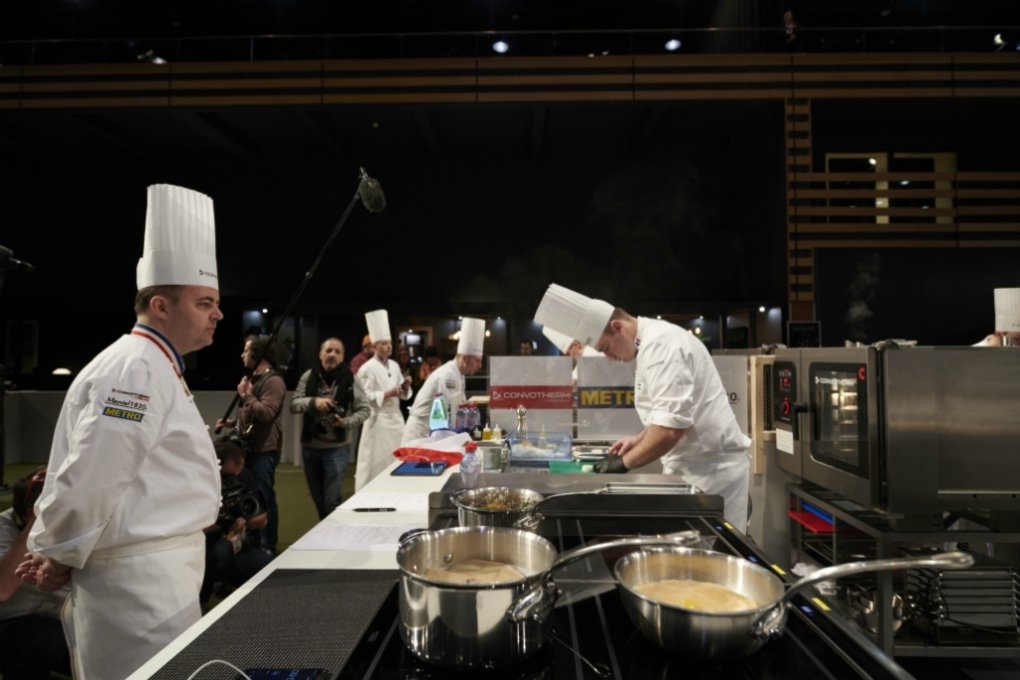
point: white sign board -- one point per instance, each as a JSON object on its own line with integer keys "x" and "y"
{"x": 605, "y": 399}
{"x": 543, "y": 385}
{"x": 733, "y": 370}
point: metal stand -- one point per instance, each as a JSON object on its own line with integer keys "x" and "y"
{"x": 855, "y": 530}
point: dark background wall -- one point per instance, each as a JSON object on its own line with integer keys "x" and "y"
{"x": 693, "y": 216}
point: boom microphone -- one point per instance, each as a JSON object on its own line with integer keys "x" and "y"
{"x": 10, "y": 263}
{"x": 371, "y": 193}
{"x": 372, "y": 197}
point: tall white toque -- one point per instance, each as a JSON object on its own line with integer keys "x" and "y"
{"x": 1007, "y": 310}
{"x": 472, "y": 337}
{"x": 180, "y": 239}
{"x": 575, "y": 315}
{"x": 559, "y": 340}
{"x": 378, "y": 325}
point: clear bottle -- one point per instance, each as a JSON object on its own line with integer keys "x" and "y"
{"x": 470, "y": 466}
{"x": 439, "y": 416}
{"x": 461, "y": 418}
{"x": 497, "y": 433}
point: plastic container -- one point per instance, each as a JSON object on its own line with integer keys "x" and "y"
{"x": 539, "y": 449}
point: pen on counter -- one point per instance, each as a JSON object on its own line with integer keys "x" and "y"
{"x": 375, "y": 509}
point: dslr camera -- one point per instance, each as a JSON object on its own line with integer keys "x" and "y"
{"x": 324, "y": 425}
{"x": 237, "y": 502}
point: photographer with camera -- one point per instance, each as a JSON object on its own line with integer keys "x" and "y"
{"x": 334, "y": 403}
{"x": 31, "y": 638}
{"x": 260, "y": 423}
{"x": 233, "y": 554}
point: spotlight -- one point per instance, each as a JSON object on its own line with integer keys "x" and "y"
{"x": 872, "y": 162}
{"x": 672, "y": 45}
{"x": 998, "y": 41}
{"x": 265, "y": 310}
{"x": 61, "y": 371}
{"x": 500, "y": 47}
{"x": 904, "y": 182}
{"x": 761, "y": 308}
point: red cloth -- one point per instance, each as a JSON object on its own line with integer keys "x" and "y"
{"x": 428, "y": 455}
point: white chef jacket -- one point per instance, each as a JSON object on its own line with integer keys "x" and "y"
{"x": 676, "y": 385}
{"x": 446, "y": 380}
{"x": 381, "y": 433}
{"x": 132, "y": 481}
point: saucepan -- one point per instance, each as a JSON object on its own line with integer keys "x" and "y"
{"x": 694, "y": 632}
{"x": 486, "y": 623}
{"x": 503, "y": 506}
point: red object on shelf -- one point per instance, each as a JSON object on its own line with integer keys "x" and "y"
{"x": 811, "y": 522}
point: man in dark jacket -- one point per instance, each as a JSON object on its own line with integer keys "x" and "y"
{"x": 333, "y": 403}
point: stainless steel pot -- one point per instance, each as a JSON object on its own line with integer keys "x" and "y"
{"x": 518, "y": 508}
{"x": 718, "y": 635}
{"x": 486, "y": 626}
{"x": 495, "y": 506}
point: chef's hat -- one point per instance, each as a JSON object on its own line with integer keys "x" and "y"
{"x": 573, "y": 314}
{"x": 472, "y": 337}
{"x": 378, "y": 325}
{"x": 180, "y": 239}
{"x": 1007, "y": 310}
{"x": 562, "y": 342}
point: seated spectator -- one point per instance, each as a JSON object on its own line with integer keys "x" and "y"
{"x": 232, "y": 553}
{"x": 31, "y": 638}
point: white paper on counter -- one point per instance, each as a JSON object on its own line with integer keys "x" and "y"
{"x": 351, "y": 537}
{"x": 401, "y": 502}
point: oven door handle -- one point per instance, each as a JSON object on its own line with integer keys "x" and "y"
{"x": 796, "y": 409}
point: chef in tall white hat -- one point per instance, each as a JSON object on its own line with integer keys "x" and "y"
{"x": 686, "y": 414}
{"x": 569, "y": 347}
{"x": 133, "y": 477}
{"x": 385, "y": 386}
{"x": 447, "y": 381}
{"x": 1007, "y": 320}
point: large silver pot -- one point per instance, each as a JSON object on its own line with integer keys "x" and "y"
{"x": 720, "y": 635}
{"x": 486, "y": 626}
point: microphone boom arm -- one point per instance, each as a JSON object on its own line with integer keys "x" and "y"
{"x": 300, "y": 290}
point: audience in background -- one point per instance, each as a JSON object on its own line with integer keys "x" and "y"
{"x": 366, "y": 353}
{"x": 31, "y": 638}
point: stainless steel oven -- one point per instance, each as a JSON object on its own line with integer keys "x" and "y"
{"x": 907, "y": 430}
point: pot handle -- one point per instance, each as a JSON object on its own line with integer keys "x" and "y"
{"x": 950, "y": 560}
{"x": 679, "y": 538}
{"x": 535, "y": 603}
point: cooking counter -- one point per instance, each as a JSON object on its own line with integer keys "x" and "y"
{"x": 336, "y": 608}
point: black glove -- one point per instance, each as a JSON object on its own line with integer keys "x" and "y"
{"x": 611, "y": 464}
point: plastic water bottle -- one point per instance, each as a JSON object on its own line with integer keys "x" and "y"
{"x": 439, "y": 418}
{"x": 461, "y": 423}
{"x": 470, "y": 466}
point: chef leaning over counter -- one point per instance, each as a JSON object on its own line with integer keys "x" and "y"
{"x": 132, "y": 477}
{"x": 678, "y": 395}
{"x": 447, "y": 381}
